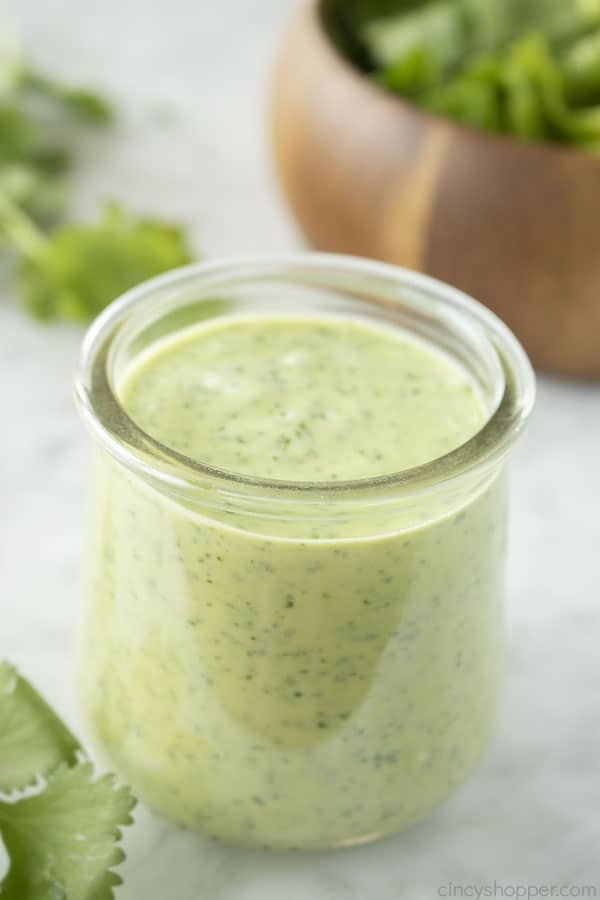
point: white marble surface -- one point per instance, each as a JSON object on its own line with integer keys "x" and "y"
{"x": 531, "y": 813}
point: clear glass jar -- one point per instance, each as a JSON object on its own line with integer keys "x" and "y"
{"x": 227, "y": 709}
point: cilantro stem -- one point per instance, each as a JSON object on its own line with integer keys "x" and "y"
{"x": 19, "y": 229}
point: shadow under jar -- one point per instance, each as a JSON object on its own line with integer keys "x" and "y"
{"x": 295, "y": 664}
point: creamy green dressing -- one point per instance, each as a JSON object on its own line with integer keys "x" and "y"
{"x": 302, "y": 400}
{"x": 283, "y": 690}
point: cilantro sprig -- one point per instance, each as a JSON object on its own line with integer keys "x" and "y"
{"x": 65, "y": 270}
{"x": 40, "y": 122}
{"x": 62, "y": 834}
{"x": 76, "y": 270}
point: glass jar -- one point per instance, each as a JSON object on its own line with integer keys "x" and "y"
{"x": 228, "y": 706}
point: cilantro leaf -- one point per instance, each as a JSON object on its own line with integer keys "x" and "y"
{"x": 61, "y": 838}
{"x": 88, "y": 106}
{"x": 33, "y": 740}
{"x": 18, "y": 137}
{"x": 24, "y": 185}
{"x": 79, "y": 269}
{"x": 61, "y": 842}
{"x": 30, "y": 141}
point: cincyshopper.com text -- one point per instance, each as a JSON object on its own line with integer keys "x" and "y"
{"x": 520, "y": 891}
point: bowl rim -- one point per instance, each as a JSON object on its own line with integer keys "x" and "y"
{"x": 314, "y": 10}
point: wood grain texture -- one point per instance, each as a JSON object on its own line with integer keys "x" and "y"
{"x": 516, "y": 225}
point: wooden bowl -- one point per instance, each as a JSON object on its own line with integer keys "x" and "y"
{"x": 515, "y": 224}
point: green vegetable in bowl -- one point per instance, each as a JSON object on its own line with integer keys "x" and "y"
{"x": 454, "y": 30}
{"x": 527, "y": 68}
{"x": 580, "y": 66}
{"x": 521, "y": 92}
{"x": 473, "y": 97}
{"x": 61, "y": 834}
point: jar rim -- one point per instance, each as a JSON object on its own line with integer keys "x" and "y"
{"x": 139, "y": 451}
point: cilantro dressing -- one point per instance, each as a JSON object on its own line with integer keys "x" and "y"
{"x": 302, "y": 399}
{"x": 281, "y": 691}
